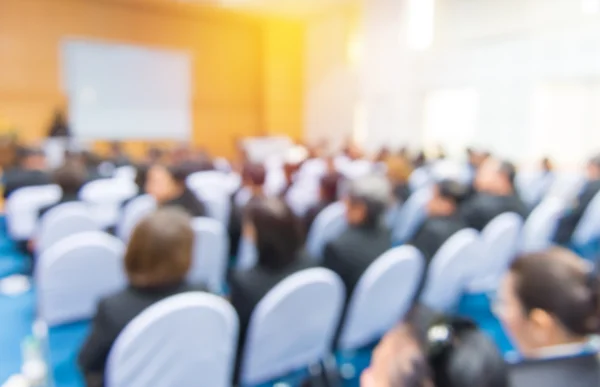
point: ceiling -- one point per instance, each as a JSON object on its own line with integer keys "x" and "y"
{"x": 288, "y": 8}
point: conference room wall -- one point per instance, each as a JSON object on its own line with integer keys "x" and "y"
{"x": 236, "y": 63}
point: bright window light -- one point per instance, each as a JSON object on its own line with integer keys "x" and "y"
{"x": 421, "y": 23}
{"x": 590, "y": 7}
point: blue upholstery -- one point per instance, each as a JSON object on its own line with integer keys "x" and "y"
{"x": 12, "y": 261}
{"x": 16, "y": 316}
{"x": 64, "y": 343}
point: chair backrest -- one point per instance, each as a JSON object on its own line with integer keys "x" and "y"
{"x": 541, "y": 225}
{"x": 210, "y": 182}
{"x": 411, "y": 215}
{"x": 328, "y": 225}
{"x": 499, "y": 246}
{"x": 184, "y": 340}
{"x": 302, "y": 195}
{"x": 62, "y": 221}
{"x": 132, "y": 213}
{"x": 106, "y": 196}
{"x": 211, "y": 247}
{"x": 420, "y": 178}
{"x": 292, "y": 326}
{"x": 22, "y": 208}
{"x": 588, "y": 228}
{"x": 74, "y": 273}
{"x": 126, "y": 172}
{"x": 382, "y": 296}
{"x": 218, "y": 205}
{"x": 448, "y": 271}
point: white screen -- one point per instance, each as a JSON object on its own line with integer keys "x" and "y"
{"x": 120, "y": 91}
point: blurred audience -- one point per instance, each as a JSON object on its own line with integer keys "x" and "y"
{"x": 398, "y": 172}
{"x": 547, "y": 165}
{"x": 118, "y": 156}
{"x": 157, "y": 260}
{"x": 70, "y": 177}
{"x": 30, "y": 171}
{"x": 168, "y": 186}
{"x": 328, "y": 194}
{"x": 495, "y": 194}
{"x": 550, "y": 304}
{"x": 420, "y": 160}
{"x": 573, "y": 215}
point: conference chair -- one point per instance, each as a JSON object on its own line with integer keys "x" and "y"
{"x": 187, "y": 339}
{"x": 71, "y": 277}
{"x": 62, "y": 221}
{"x": 357, "y": 168}
{"x": 131, "y": 214}
{"x": 381, "y": 298}
{"x": 126, "y": 172}
{"x": 532, "y": 186}
{"x": 302, "y": 195}
{"x": 22, "y": 209}
{"x": 211, "y": 182}
{"x": 586, "y": 236}
{"x": 106, "y": 197}
{"x": 327, "y": 226}
{"x": 448, "y": 271}
{"x": 541, "y": 225}
{"x": 292, "y": 327}
{"x": 420, "y": 178}
{"x": 411, "y": 216}
{"x": 210, "y": 254}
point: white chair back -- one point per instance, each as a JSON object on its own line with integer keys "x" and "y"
{"x": 106, "y": 197}
{"x": 63, "y": 221}
{"x": 126, "y": 172}
{"x": 211, "y": 182}
{"x": 420, "y": 178}
{"x": 211, "y": 247}
{"x": 292, "y": 326}
{"x": 218, "y": 205}
{"x": 132, "y": 213}
{"x": 185, "y": 340}
{"x": 327, "y": 226}
{"x": 448, "y": 271}
{"x": 302, "y": 195}
{"x": 22, "y": 208}
{"x": 382, "y": 296}
{"x": 588, "y": 228}
{"x": 75, "y": 273}
{"x": 541, "y": 225}
{"x": 411, "y": 215}
{"x": 499, "y": 246}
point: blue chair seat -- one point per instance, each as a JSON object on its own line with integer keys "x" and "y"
{"x": 352, "y": 363}
{"x": 293, "y": 379}
{"x": 64, "y": 343}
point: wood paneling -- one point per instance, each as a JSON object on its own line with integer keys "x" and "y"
{"x": 235, "y": 62}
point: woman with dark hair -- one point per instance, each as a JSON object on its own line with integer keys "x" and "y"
{"x": 276, "y": 233}
{"x": 550, "y": 305}
{"x": 157, "y": 260}
{"x": 328, "y": 194}
{"x": 167, "y": 185}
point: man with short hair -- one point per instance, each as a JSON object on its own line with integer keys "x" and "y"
{"x": 31, "y": 171}
{"x": 495, "y": 194}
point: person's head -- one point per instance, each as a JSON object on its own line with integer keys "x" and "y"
{"x": 141, "y": 176}
{"x": 496, "y": 177}
{"x": 275, "y": 231}
{"x": 420, "y": 159}
{"x": 159, "y": 252}
{"x": 116, "y": 149}
{"x": 154, "y": 155}
{"x": 547, "y": 165}
{"x": 253, "y": 175}
{"x": 165, "y": 183}
{"x": 549, "y": 298}
{"x": 366, "y": 200}
{"x": 328, "y": 189}
{"x": 398, "y": 361}
{"x": 31, "y": 158}
{"x": 593, "y": 168}
{"x": 398, "y": 169}
{"x": 447, "y": 196}
{"x": 70, "y": 177}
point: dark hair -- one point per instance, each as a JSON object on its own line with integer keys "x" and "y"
{"x": 23, "y": 153}
{"x": 547, "y": 164}
{"x": 409, "y": 367}
{"x": 558, "y": 282}
{"x": 329, "y": 186}
{"x": 70, "y": 177}
{"x": 453, "y": 190}
{"x": 90, "y": 159}
{"x": 509, "y": 170}
{"x": 254, "y": 173}
{"x": 159, "y": 252}
{"x": 375, "y": 193}
{"x": 141, "y": 175}
{"x": 461, "y": 355}
{"x": 278, "y": 232}
{"x": 178, "y": 172}
{"x": 154, "y": 154}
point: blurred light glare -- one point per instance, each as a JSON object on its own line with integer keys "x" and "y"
{"x": 421, "y": 24}
{"x": 590, "y": 7}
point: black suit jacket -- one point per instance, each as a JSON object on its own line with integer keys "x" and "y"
{"x": 401, "y": 192}
{"x": 569, "y": 221}
{"x": 63, "y": 199}
{"x": 578, "y": 371}
{"x": 190, "y": 203}
{"x": 112, "y": 316}
{"x": 434, "y": 232}
{"x": 312, "y": 214}
{"x": 480, "y": 209}
{"x": 19, "y": 178}
{"x": 352, "y": 252}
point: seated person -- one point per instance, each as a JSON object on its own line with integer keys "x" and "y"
{"x": 366, "y": 238}
{"x": 495, "y": 194}
{"x": 449, "y": 353}
{"x": 398, "y": 172}
{"x": 570, "y": 220}
{"x": 167, "y": 185}
{"x": 118, "y": 156}
{"x": 549, "y": 303}
{"x": 328, "y": 194}
{"x": 30, "y": 171}
{"x": 443, "y": 218}
{"x": 277, "y": 235}
{"x": 157, "y": 260}
{"x": 70, "y": 177}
